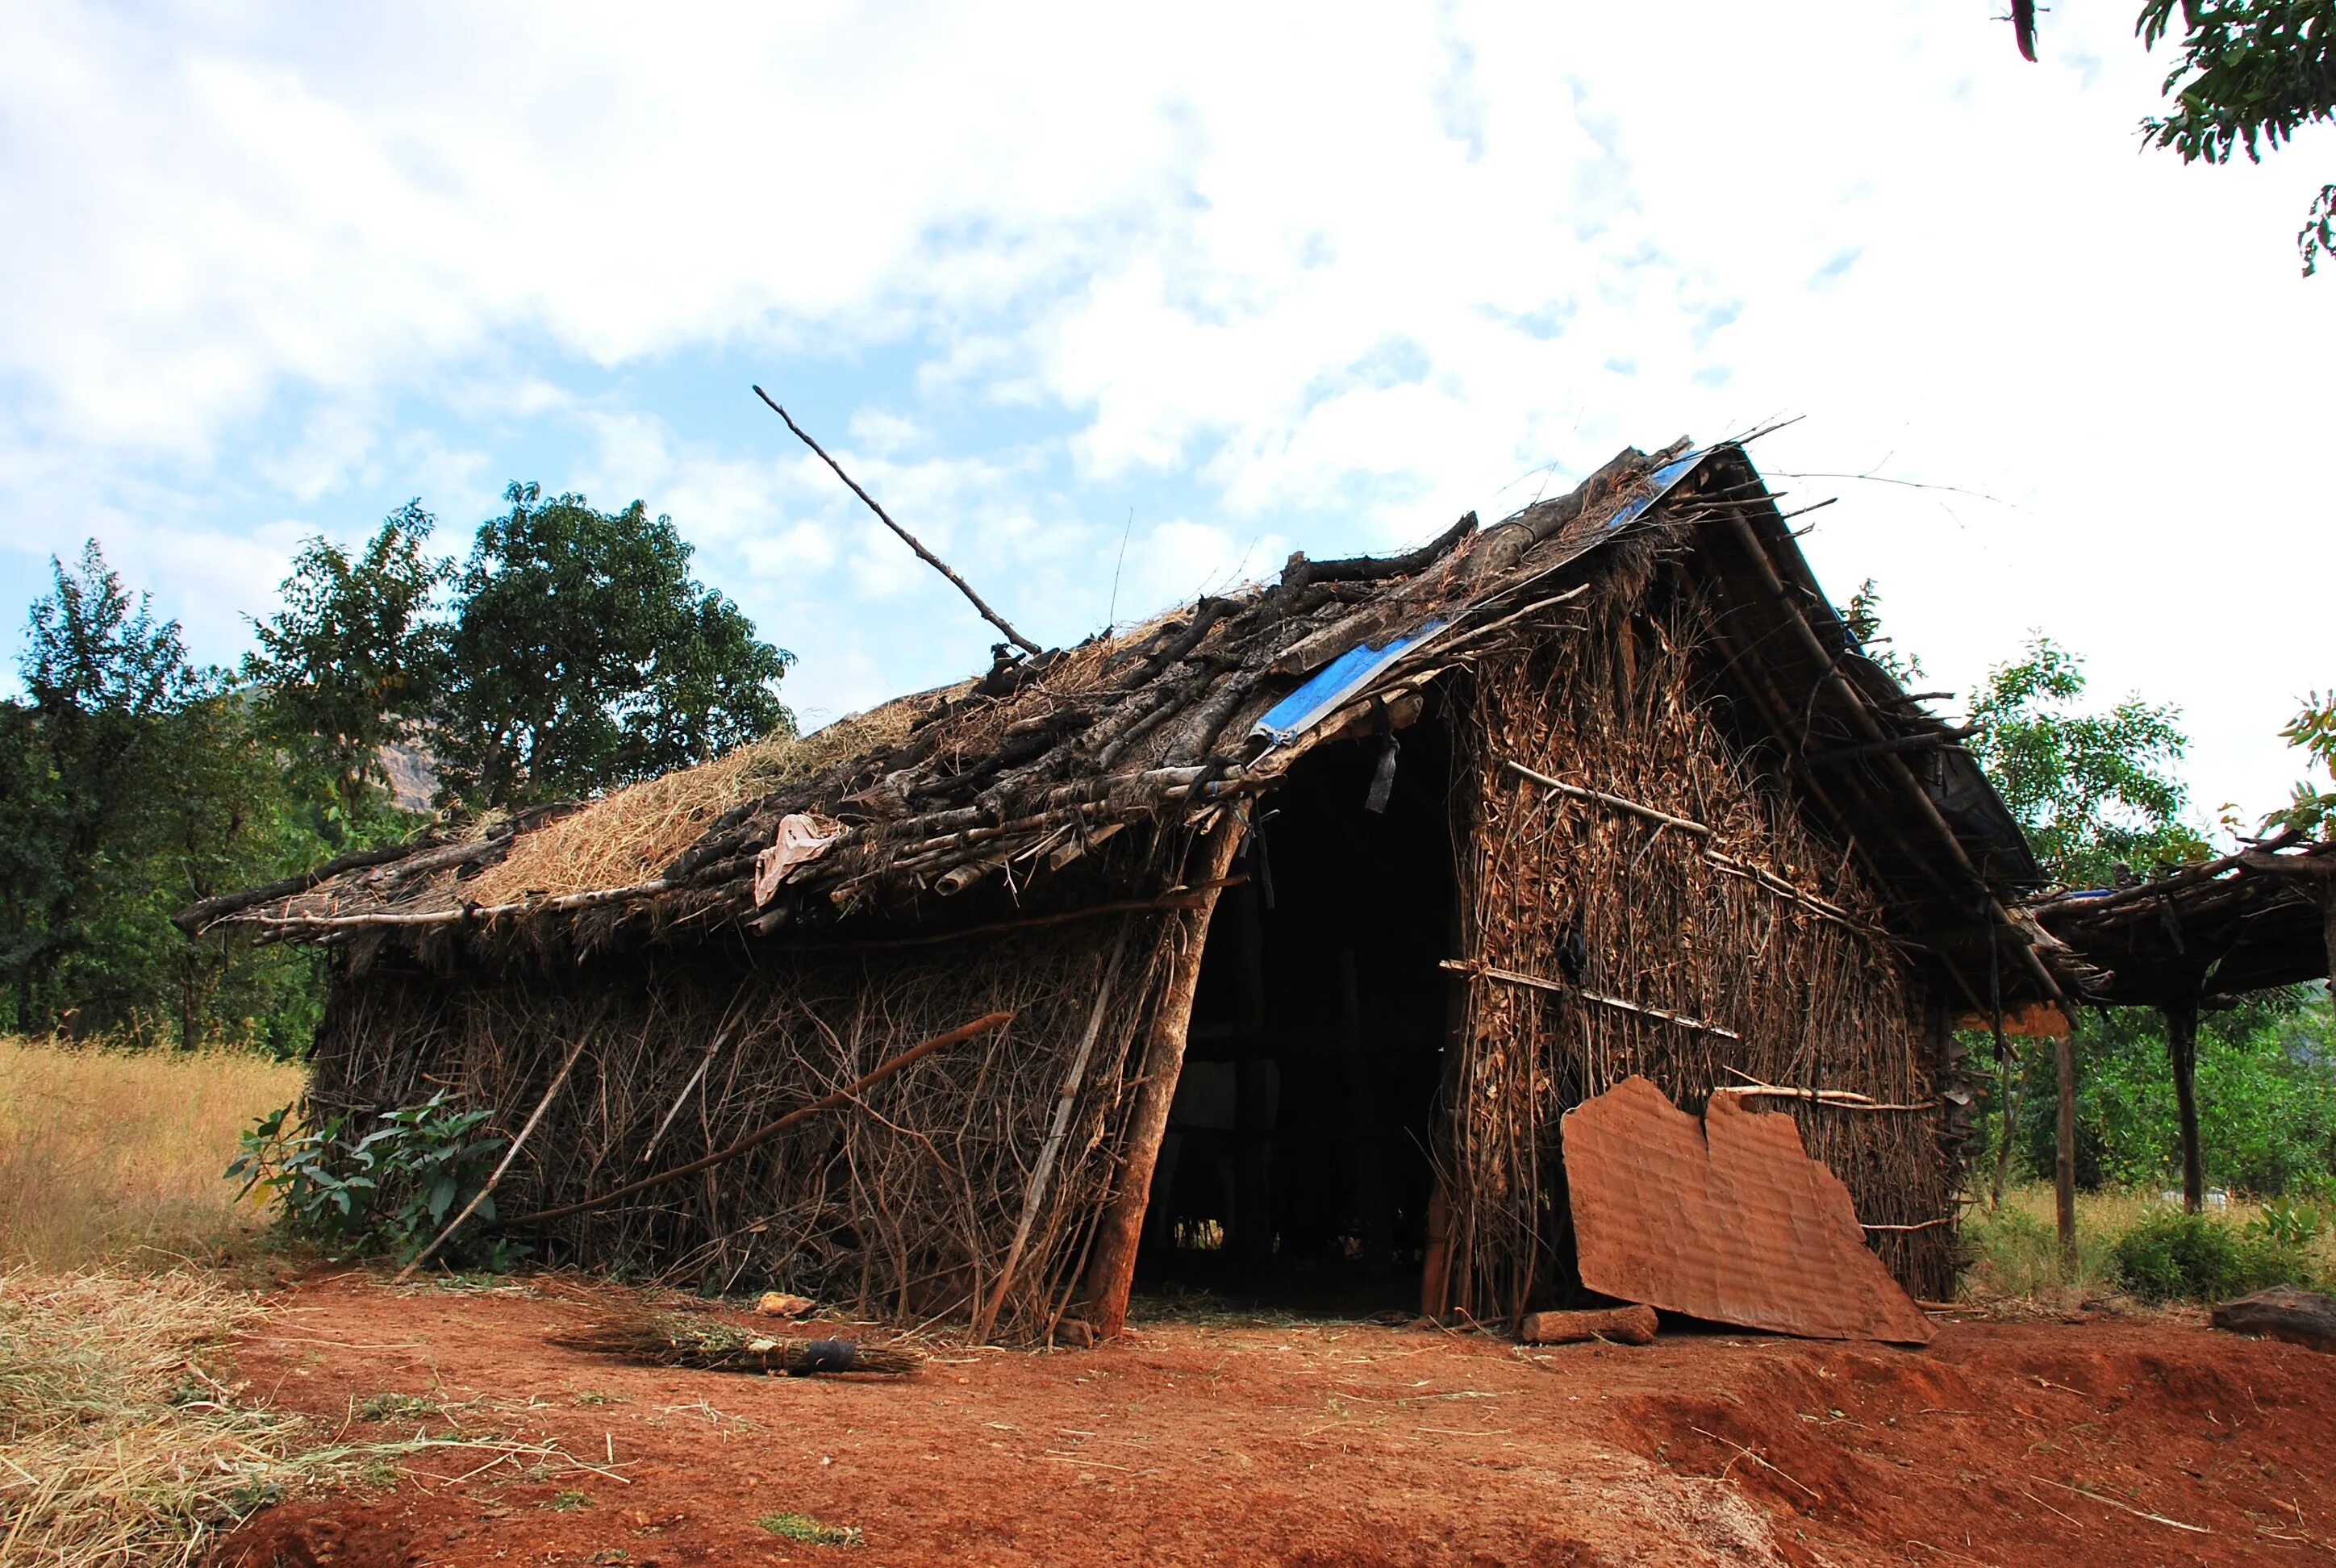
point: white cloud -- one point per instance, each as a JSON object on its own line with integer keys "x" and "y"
{"x": 1308, "y": 273}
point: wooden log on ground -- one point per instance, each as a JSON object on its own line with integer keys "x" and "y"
{"x": 2304, "y": 1318}
{"x": 1622, "y": 1325}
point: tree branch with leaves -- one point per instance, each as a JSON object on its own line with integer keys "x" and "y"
{"x": 2249, "y": 74}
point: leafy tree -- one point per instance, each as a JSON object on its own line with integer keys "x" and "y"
{"x": 2251, "y": 74}
{"x": 1862, "y": 616}
{"x": 579, "y": 655}
{"x": 353, "y": 659}
{"x": 2312, "y": 810}
{"x": 2266, "y": 1098}
{"x": 100, "y": 673}
{"x": 229, "y": 806}
{"x": 131, "y": 784}
{"x": 583, "y": 657}
{"x": 2093, "y": 790}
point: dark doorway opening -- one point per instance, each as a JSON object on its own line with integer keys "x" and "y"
{"x": 1297, "y": 1170}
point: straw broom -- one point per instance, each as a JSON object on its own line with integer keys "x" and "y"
{"x": 716, "y": 1345}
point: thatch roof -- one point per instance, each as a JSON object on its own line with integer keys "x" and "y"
{"x": 1001, "y": 782}
{"x": 2242, "y": 923}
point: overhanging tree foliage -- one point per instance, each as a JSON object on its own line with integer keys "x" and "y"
{"x": 2251, "y": 74}
{"x": 2311, "y": 810}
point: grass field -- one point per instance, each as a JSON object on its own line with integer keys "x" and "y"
{"x": 2014, "y": 1252}
{"x": 112, "y": 1157}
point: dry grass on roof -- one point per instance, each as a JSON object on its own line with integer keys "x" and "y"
{"x": 631, "y": 835}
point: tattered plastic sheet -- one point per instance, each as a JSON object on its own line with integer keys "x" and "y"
{"x": 801, "y": 838}
{"x": 1659, "y": 484}
{"x": 1725, "y": 1218}
{"x": 1338, "y": 681}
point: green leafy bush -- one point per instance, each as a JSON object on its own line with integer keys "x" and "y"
{"x": 388, "y": 1191}
{"x": 2290, "y": 1223}
{"x": 2171, "y": 1255}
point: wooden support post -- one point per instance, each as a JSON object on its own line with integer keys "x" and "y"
{"x": 2182, "y": 1045}
{"x": 1112, "y": 1274}
{"x": 1436, "y": 1269}
{"x": 2064, "y": 1149}
{"x": 1435, "y": 1281}
{"x": 2006, "y": 1079}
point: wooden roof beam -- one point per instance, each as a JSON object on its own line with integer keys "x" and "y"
{"x": 1862, "y": 714}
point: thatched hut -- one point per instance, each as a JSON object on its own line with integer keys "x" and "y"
{"x": 1315, "y": 906}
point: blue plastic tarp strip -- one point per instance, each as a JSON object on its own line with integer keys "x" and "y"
{"x": 1352, "y": 670}
{"x": 1332, "y": 685}
{"x": 1662, "y": 479}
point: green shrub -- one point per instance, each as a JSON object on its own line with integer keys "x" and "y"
{"x": 387, "y": 1191}
{"x": 2289, "y": 1223}
{"x": 2171, "y": 1255}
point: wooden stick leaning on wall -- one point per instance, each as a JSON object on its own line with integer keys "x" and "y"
{"x": 558, "y": 1082}
{"x": 720, "y": 1038}
{"x": 764, "y": 1134}
{"x": 1112, "y": 1274}
{"x": 985, "y": 1317}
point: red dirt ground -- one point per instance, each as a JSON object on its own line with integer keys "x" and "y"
{"x": 1208, "y": 1441}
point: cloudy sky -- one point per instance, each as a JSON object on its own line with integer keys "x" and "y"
{"x": 1094, "y": 297}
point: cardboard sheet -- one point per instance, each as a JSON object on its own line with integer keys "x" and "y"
{"x": 1725, "y": 1218}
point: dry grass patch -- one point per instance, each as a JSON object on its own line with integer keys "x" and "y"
{"x": 119, "y": 1446}
{"x": 120, "y": 1442}
{"x": 105, "y": 1152}
{"x": 629, "y": 836}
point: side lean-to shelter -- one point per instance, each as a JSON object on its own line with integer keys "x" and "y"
{"x": 1314, "y": 906}
{"x": 2189, "y": 939}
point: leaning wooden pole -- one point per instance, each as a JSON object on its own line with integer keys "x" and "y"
{"x": 558, "y": 1082}
{"x": 911, "y": 540}
{"x": 1034, "y": 1196}
{"x": 764, "y": 1134}
{"x": 1112, "y": 1274}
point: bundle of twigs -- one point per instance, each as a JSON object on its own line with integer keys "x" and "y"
{"x": 717, "y": 1345}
